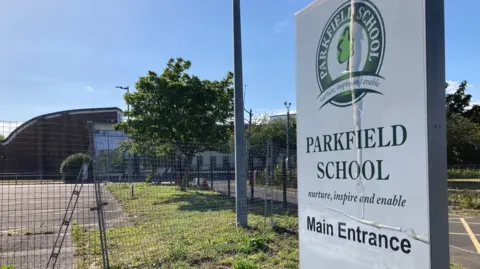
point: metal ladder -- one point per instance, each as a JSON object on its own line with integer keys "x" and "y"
{"x": 67, "y": 218}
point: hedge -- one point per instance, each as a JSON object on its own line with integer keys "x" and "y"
{"x": 71, "y": 166}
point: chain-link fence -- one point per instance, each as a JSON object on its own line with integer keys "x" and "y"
{"x": 86, "y": 196}
{"x": 133, "y": 205}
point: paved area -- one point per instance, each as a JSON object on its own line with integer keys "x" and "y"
{"x": 464, "y": 231}
{"x": 31, "y": 215}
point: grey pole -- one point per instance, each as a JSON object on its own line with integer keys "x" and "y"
{"x": 287, "y": 170}
{"x": 128, "y": 91}
{"x": 248, "y": 154}
{"x": 240, "y": 182}
{"x": 436, "y": 122}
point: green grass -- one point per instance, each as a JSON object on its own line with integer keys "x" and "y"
{"x": 464, "y": 202}
{"x": 456, "y": 266}
{"x": 7, "y": 267}
{"x": 194, "y": 229}
{"x": 463, "y": 173}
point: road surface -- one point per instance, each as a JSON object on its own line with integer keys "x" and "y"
{"x": 31, "y": 215}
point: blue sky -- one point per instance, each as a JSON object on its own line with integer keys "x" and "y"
{"x": 57, "y": 54}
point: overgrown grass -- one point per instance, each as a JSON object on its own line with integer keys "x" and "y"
{"x": 464, "y": 173}
{"x": 465, "y": 202}
{"x": 193, "y": 229}
{"x": 456, "y": 266}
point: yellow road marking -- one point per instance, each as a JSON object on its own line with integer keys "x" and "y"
{"x": 471, "y": 235}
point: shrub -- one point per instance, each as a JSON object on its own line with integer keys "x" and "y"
{"x": 71, "y": 166}
{"x": 148, "y": 180}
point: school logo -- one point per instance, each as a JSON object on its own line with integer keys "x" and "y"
{"x": 350, "y": 54}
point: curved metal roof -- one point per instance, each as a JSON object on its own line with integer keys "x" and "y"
{"x": 53, "y": 115}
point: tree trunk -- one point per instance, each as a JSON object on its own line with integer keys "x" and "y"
{"x": 187, "y": 167}
{"x": 153, "y": 164}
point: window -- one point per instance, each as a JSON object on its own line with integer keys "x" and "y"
{"x": 213, "y": 162}
{"x": 200, "y": 161}
{"x": 226, "y": 162}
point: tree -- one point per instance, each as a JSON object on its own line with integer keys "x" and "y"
{"x": 473, "y": 114}
{"x": 463, "y": 140}
{"x": 156, "y": 154}
{"x": 459, "y": 101}
{"x": 2, "y": 137}
{"x": 274, "y": 130}
{"x": 181, "y": 109}
{"x": 463, "y": 128}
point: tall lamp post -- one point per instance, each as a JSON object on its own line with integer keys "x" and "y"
{"x": 130, "y": 171}
{"x": 287, "y": 168}
{"x": 127, "y": 88}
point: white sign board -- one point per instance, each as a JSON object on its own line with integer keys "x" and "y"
{"x": 365, "y": 131}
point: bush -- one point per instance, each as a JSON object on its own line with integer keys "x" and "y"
{"x": 71, "y": 166}
{"x": 463, "y": 174}
{"x": 148, "y": 180}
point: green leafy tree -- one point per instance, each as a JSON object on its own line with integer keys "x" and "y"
{"x": 463, "y": 140}
{"x": 473, "y": 114}
{"x": 2, "y": 137}
{"x": 275, "y": 130}
{"x": 156, "y": 154}
{"x": 463, "y": 128}
{"x": 459, "y": 101}
{"x": 190, "y": 113}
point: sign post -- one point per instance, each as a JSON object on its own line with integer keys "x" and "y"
{"x": 371, "y": 129}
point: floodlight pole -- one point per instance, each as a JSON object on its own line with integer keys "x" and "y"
{"x": 240, "y": 180}
{"x": 127, "y": 88}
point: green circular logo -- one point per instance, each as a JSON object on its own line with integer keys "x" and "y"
{"x": 350, "y": 54}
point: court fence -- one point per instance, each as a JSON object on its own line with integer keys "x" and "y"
{"x": 168, "y": 205}
{"x": 133, "y": 209}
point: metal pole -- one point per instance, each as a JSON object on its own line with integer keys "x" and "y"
{"x": 240, "y": 183}
{"x": 228, "y": 179}
{"x": 436, "y": 121}
{"x": 127, "y": 88}
{"x": 128, "y": 105}
{"x": 247, "y": 154}
{"x": 286, "y": 165}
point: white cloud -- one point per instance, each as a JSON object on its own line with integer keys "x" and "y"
{"x": 280, "y": 26}
{"x": 452, "y": 86}
{"x": 89, "y": 89}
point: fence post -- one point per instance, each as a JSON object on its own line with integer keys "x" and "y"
{"x": 228, "y": 178}
{"x": 253, "y": 178}
{"x": 211, "y": 175}
{"x": 284, "y": 183}
{"x": 198, "y": 171}
{"x": 131, "y": 191}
